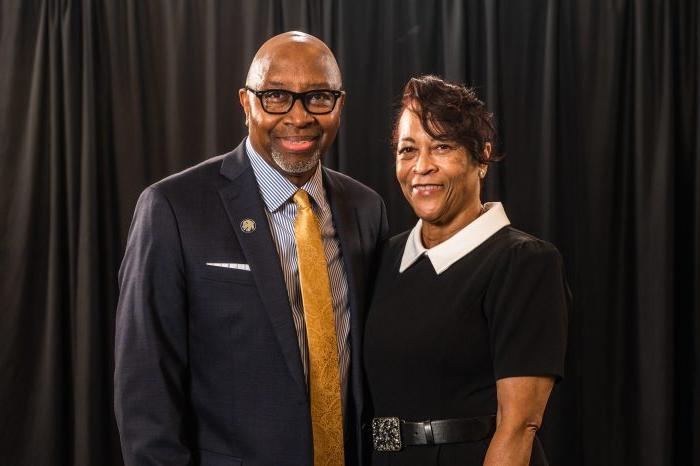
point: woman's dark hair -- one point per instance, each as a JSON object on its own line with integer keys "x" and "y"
{"x": 449, "y": 112}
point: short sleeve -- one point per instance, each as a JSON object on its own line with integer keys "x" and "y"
{"x": 526, "y": 308}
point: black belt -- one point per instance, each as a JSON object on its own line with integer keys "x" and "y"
{"x": 392, "y": 433}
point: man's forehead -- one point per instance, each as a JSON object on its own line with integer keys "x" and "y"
{"x": 287, "y": 70}
{"x": 286, "y": 61}
{"x": 283, "y": 83}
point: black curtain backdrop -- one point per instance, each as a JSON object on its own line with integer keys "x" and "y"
{"x": 597, "y": 106}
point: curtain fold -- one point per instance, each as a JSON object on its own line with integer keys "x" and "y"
{"x": 596, "y": 104}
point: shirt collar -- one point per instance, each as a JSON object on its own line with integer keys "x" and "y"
{"x": 458, "y": 245}
{"x": 276, "y": 189}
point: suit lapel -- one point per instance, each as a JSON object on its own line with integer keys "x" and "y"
{"x": 242, "y": 201}
{"x": 345, "y": 217}
{"x": 347, "y": 227}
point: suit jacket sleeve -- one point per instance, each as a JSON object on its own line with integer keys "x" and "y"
{"x": 384, "y": 224}
{"x": 151, "y": 339}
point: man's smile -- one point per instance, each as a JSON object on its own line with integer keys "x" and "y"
{"x": 297, "y": 143}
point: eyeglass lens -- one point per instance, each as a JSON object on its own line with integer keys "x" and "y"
{"x": 314, "y": 101}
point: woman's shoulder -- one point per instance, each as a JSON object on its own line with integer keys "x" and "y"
{"x": 398, "y": 241}
{"x": 509, "y": 242}
{"x": 389, "y": 256}
{"x": 394, "y": 246}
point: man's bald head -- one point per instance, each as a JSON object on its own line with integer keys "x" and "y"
{"x": 293, "y": 142}
{"x": 293, "y": 44}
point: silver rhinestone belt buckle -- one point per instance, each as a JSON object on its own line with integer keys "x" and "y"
{"x": 386, "y": 433}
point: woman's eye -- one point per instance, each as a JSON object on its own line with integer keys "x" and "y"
{"x": 405, "y": 152}
{"x": 443, "y": 147}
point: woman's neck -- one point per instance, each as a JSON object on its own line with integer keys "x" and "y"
{"x": 433, "y": 234}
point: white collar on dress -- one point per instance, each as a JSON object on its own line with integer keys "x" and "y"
{"x": 458, "y": 245}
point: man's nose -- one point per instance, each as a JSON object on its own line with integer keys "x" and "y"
{"x": 297, "y": 115}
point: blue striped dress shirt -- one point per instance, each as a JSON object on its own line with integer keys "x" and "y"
{"x": 277, "y": 192}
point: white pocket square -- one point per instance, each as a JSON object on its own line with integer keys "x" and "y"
{"x": 229, "y": 265}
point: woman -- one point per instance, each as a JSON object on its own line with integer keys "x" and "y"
{"x": 466, "y": 333}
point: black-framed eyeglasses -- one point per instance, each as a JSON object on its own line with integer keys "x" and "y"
{"x": 279, "y": 101}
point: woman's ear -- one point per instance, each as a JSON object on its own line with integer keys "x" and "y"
{"x": 487, "y": 151}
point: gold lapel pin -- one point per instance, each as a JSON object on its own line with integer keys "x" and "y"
{"x": 248, "y": 225}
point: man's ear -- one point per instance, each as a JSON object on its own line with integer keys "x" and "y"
{"x": 341, "y": 102}
{"x": 245, "y": 103}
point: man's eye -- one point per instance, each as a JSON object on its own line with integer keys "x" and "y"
{"x": 319, "y": 97}
{"x": 276, "y": 96}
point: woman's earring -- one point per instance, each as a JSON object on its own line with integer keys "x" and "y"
{"x": 482, "y": 173}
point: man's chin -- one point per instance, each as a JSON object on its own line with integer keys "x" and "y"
{"x": 295, "y": 165}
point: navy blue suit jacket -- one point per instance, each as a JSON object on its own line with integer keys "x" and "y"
{"x": 208, "y": 369}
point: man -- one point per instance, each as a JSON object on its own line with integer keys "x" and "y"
{"x": 244, "y": 284}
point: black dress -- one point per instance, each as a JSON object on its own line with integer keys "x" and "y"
{"x": 436, "y": 344}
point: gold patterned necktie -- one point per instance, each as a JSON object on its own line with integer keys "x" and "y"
{"x": 324, "y": 370}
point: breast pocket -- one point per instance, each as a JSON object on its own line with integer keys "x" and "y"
{"x": 227, "y": 274}
{"x": 208, "y": 458}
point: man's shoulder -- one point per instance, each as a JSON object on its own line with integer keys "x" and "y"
{"x": 208, "y": 175}
{"x": 196, "y": 186}
{"x": 188, "y": 188}
{"x": 191, "y": 177}
{"x": 350, "y": 186}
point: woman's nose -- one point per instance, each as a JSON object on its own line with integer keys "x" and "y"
{"x": 424, "y": 163}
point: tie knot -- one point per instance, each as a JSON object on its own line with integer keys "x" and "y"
{"x": 301, "y": 198}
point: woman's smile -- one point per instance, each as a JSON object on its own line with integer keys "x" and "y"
{"x": 426, "y": 189}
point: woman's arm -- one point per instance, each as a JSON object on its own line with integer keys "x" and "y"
{"x": 521, "y": 404}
